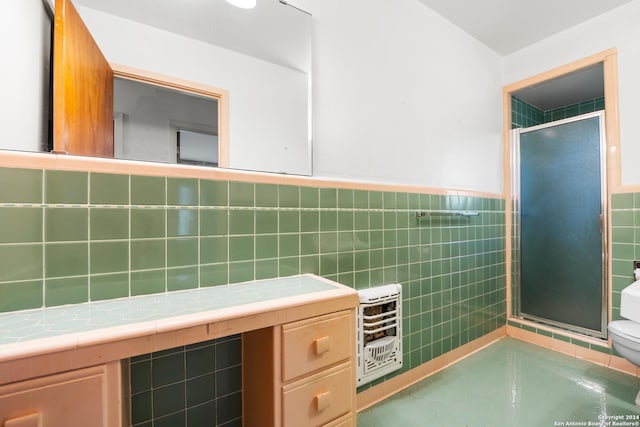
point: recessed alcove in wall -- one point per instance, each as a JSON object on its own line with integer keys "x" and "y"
{"x": 572, "y": 88}
{"x": 583, "y": 86}
{"x": 569, "y": 95}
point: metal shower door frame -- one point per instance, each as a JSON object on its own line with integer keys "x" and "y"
{"x": 516, "y": 224}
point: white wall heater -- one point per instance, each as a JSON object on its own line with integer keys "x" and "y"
{"x": 379, "y": 332}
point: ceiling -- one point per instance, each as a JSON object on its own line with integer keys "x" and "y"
{"x": 272, "y": 31}
{"x": 579, "y": 86}
{"x": 507, "y": 26}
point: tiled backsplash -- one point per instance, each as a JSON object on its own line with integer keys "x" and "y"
{"x": 71, "y": 237}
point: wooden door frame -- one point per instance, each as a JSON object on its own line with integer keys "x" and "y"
{"x": 609, "y": 61}
{"x": 221, "y": 95}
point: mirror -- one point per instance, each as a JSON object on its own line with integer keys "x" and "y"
{"x": 165, "y": 125}
{"x": 260, "y": 57}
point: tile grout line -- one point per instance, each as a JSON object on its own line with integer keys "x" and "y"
{"x": 130, "y": 236}
{"x": 89, "y": 210}
{"x": 44, "y": 237}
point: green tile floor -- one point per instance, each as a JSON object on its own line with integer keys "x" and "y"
{"x": 512, "y": 383}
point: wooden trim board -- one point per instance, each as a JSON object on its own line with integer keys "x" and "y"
{"x": 594, "y": 356}
{"x": 48, "y": 161}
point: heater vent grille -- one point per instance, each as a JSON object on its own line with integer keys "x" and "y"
{"x": 379, "y": 332}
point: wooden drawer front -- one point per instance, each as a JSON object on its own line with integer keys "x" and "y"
{"x": 320, "y": 398}
{"x": 313, "y": 344}
{"x": 71, "y": 399}
{"x": 346, "y": 421}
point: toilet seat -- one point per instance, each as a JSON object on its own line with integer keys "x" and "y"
{"x": 626, "y": 329}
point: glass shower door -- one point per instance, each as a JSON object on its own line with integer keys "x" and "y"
{"x": 561, "y": 225}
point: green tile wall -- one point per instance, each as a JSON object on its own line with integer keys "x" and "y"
{"x": 89, "y": 236}
{"x": 195, "y": 385}
{"x": 573, "y": 340}
{"x": 574, "y": 110}
{"x": 625, "y": 239}
{"x": 525, "y": 115}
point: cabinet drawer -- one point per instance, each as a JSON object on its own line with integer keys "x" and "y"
{"x": 346, "y": 421}
{"x": 316, "y": 400}
{"x": 315, "y": 343}
{"x": 86, "y": 397}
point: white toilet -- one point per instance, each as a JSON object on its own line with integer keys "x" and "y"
{"x": 625, "y": 334}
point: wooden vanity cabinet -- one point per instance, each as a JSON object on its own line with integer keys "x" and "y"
{"x": 80, "y": 398}
{"x": 306, "y": 376}
{"x": 298, "y": 357}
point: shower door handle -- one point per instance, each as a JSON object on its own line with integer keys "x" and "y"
{"x": 601, "y": 223}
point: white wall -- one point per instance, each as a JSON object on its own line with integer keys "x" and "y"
{"x": 403, "y": 96}
{"x": 268, "y": 103}
{"x": 25, "y": 35}
{"x": 616, "y": 29}
{"x": 400, "y": 94}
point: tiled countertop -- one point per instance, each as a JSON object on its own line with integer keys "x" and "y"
{"x": 34, "y": 332}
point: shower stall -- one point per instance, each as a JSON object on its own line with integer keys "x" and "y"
{"x": 559, "y": 224}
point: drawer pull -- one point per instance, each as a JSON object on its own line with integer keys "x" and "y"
{"x": 321, "y": 345}
{"x": 322, "y": 401}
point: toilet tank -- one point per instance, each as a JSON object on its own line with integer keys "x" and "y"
{"x": 630, "y": 302}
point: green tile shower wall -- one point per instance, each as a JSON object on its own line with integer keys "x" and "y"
{"x": 71, "y": 237}
{"x": 525, "y": 115}
{"x": 572, "y": 110}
